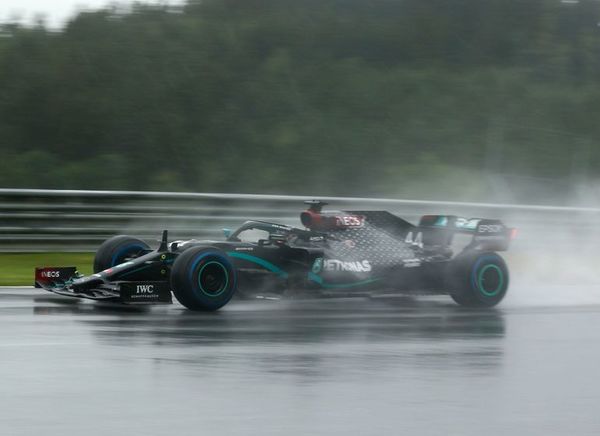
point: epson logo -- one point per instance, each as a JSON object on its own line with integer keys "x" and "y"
{"x": 338, "y": 265}
{"x": 144, "y": 289}
{"x": 52, "y": 274}
{"x": 489, "y": 228}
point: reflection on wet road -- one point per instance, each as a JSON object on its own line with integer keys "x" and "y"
{"x": 351, "y": 367}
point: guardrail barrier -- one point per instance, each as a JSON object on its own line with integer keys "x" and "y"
{"x": 48, "y": 220}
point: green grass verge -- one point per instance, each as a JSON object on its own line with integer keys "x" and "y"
{"x": 17, "y": 269}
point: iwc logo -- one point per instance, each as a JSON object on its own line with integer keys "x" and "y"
{"x": 144, "y": 289}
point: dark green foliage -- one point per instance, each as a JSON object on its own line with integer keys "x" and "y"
{"x": 343, "y": 97}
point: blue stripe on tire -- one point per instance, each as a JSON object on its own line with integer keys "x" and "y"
{"x": 223, "y": 260}
{"x": 124, "y": 251}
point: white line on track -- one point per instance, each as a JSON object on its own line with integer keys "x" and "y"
{"x": 16, "y": 287}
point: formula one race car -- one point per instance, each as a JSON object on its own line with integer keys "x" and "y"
{"x": 337, "y": 253}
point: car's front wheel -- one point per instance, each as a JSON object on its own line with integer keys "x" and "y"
{"x": 203, "y": 278}
{"x": 478, "y": 279}
{"x": 116, "y": 250}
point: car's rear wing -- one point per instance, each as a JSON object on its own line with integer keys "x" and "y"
{"x": 433, "y": 230}
{"x": 488, "y": 234}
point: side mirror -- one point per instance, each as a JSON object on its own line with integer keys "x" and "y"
{"x": 227, "y": 232}
{"x": 263, "y": 242}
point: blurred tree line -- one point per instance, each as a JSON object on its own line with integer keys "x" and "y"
{"x": 408, "y": 98}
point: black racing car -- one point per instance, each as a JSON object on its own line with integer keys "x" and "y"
{"x": 336, "y": 253}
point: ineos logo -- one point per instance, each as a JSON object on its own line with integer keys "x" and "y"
{"x": 54, "y": 274}
{"x": 350, "y": 221}
{"x": 144, "y": 289}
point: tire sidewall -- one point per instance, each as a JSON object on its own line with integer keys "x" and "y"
{"x": 186, "y": 273}
{"x": 115, "y": 250}
{"x": 483, "y": 263}
{"x": 469, "y": 287}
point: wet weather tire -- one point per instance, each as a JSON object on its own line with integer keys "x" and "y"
{"x": 115, "y": 250}
{"x": 478, "y": 279}
{"x": 203, "y": 278}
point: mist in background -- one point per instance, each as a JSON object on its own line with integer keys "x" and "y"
{"x": 55, "y": 13}
{"x": 494, "y": 101}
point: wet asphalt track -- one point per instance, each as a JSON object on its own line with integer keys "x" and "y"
{"x": 342, "y": 367}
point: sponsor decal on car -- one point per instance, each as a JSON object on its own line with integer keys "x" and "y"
{"x": 144, "y": 289}
{"x": 490, "y": 228}
{"x": 411, "y": 263}
{"x": 467, "y": 224}
{"x": 317, "y": 265}
{"x": 279, "y": 226}
{"x": 338, "y": 265}
{"x": 50, "y": 273}
{"x": 145, "y": 292}
{"x": 350, "y": 220}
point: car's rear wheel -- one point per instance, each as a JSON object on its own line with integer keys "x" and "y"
{"x": 203, "y": 278}
{"x": 116, "y": 250}
{"x": 478, "y": 279}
